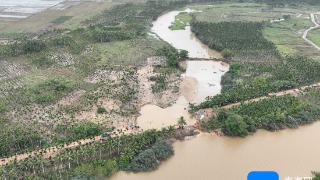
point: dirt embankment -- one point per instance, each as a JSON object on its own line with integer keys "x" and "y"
{"x": 204, "y": 114}
{"x": 162, "y": 99}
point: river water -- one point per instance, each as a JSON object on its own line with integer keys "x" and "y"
{"x": 182, "y": 39}
{"x": 291, "y": 153}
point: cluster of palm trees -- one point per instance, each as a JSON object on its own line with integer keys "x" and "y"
{"x": 273, "y": 113}
{"x": 239, "y": 38}
{"x": 125, "y": 148}
{"x": 289, "y": 73}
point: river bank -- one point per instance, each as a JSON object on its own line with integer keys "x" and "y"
{"x": 208, "y": 156}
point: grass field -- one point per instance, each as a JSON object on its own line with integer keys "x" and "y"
{"x": 48, "y": 18}
{"x": 131, "y": 52}
{"x": 181, "y": 21}
{"x": 287, "y": 35}
{"x": 314, "y": 36}
{"x": 284, "y": 26}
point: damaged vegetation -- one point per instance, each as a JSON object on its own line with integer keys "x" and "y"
{"x": 68, "y": 85}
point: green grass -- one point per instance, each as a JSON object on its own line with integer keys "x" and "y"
{"x": 181, "y": 21}
{"x": 287, "y": 36}
{"x": 235, "y": 12}
{"x": 314, "y": 36}
{"x": 61, "y": 19}
{"x": 129, "y": 52}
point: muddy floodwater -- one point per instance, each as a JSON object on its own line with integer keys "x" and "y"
{"x": 202, "y": 79}
{"x": 181, "y": 39}
{"x": 292, "y": 153}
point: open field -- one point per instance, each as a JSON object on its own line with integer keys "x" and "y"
{"x": 314, "y": 36}
{"x": 77, "y": 11}
{"x": 181, "y": 21}
{"x": 284, "y": 26}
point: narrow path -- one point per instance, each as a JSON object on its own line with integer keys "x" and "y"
{"x": 53, "y": 151}
{"x": 293, "y": 92}
{"x": 305, "y": 33}
{"x": 50, "y": 152}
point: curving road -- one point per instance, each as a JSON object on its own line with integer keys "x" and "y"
{"x": 305, "y": 33}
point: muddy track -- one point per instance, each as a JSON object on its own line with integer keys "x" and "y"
{"x": 293, "y": 92}
{"x": 53, "y": 151}
{"x": 305, "y": 33}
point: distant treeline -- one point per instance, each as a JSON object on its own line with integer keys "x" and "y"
{"x": 271, "y": 114}
{"x": 235, "y": 38}
{"x": 122, "y": 22}
{"x": 270, "y": 2}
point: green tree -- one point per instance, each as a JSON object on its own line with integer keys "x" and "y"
{"x": 235, "y": 126}
{"x": 145, "y": 161}
{"x": 183, "y": 54}
{"x": 182, "y": 122}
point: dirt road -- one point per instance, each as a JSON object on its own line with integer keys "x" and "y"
{"x": 317, "y": 25}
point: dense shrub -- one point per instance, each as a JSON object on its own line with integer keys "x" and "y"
{"x": 99, "y": 168}
{"x": 271, "y": 114}
{"x": 3, "y": 107}
{"x": 73, "y": 132}
{"x": 264, "y": 78}
{"x": 173, "y": 56}
{"x": 50, "y": 90}
{"x": 150, "y": 159}
{"x": 235, "y": 38}
{"x": 101, "y": 110}
{"x": 234, "y": 125}
{"x": 18, "y": 139}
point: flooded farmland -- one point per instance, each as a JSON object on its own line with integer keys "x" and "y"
{"x": 18, "y": 9}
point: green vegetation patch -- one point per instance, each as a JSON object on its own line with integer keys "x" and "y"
{"x": 72, "y": 132}
{"x": 271, "y": 114}
{"x": 239, "y": 38}
{"x": 181, "y": 21}
{"x": 314, "y": 36}
{"x": 50, "y": 90}
{"x": 19, "y": 139}
{"x": 287, "y": 36}
{"x": 249, "y": 80}
{"x": 61, "y": 19}
{"x": 94, "y": 160}
{"x": 150, "y": 159}
{"x": 98, "y": 169}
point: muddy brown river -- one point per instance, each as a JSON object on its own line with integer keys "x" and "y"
{"x": 292, "y": 153}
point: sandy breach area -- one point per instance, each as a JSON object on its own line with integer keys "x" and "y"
{"x": 202, "y": 79}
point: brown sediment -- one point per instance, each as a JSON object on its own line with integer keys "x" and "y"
{"x": 188, "y": 88}
{"x": 208, "y": 156}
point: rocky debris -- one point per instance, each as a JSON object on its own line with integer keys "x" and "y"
{"x": 204, "y": 114}
{"x": 146, "y": 95}
{"x": 9, "y": 70}
{"x": 71, "y": 98}
{"x": 157, "y": 61}
{"x": 62, "y": 59}
{"x": 185, "y": 132}
{"x": 105, "y": 74}
{"x": 87, "y": 50}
